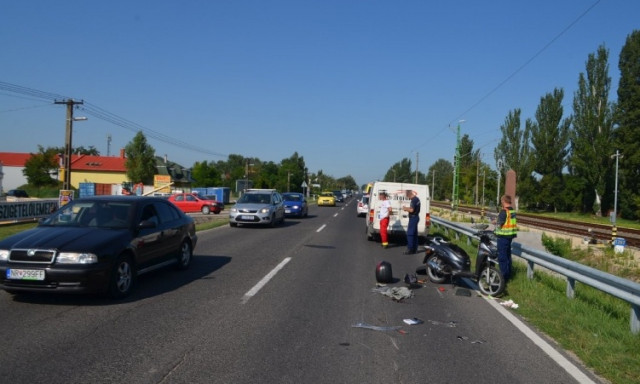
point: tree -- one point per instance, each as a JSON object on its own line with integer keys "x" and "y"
{"x": 550, "y": 143}
{"x": 39, "y": 167}
{"x": 400, "y": 172}
{"x": 140, "y": 162}
{"x": 513, "y": 152}
{"x": 440, "y": 179}
{"x": 292, "y": 172}
{"x": 81, "y": 150}
{"x": 628, "y": 132}
{"x": 592, "y": 134}
{"x": 205, "y": 174}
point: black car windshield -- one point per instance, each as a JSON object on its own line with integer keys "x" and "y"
{"x": 255, "y": 198}
{"x": 292, "y": 197}
{"x": 96, "y": 214}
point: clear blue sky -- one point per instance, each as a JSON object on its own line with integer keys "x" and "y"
{"x": 353, "y": 86}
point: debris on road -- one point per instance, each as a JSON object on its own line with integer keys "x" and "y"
{"x": 396, "y": 293}
{"x": 450, "y": 324}
{"x": 509, "y": 304}
{"x": 376, "y": 327}
{"x": 413, "y": 321}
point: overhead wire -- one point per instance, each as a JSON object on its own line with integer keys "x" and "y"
{"x": 515, "y": 72}
{"x": 107, "y": 116}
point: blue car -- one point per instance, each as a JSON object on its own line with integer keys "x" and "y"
{"x": 295, "y": 204}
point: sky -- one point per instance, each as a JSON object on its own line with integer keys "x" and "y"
{"x": 351, "y": 86}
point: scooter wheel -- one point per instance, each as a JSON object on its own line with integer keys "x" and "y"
{"x": 435, "y": 276}
{"x": 491, "y": 282}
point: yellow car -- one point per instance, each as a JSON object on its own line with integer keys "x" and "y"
{"x": 327, "y": 198}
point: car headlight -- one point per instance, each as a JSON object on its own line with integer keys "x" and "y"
{"x": 76, "y": 258}
{"x": 4, "y": 254}
{"x": 265, "y": 210}
{"x": 233, "y": 210}
{"x": 296, "y": 207}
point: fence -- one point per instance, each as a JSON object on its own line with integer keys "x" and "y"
{"x": 621, "y": 288}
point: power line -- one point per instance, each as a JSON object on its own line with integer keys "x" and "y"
{"x": 514, "y": 73}
{"x": 109, "y": 117}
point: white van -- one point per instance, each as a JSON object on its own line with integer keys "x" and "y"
{"x": 399, "y": 219}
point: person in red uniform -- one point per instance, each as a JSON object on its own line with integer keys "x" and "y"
{"x": 384, "y": 215}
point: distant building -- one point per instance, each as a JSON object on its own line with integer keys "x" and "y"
{"x": 90, "y": 169}
{"x": 12, "y": 166}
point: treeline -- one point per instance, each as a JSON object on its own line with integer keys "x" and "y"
{"x": 563, "y": 161}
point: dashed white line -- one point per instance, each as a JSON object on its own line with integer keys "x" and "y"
{"x": 321, "y": 228}
{"x": 335, "y": 214}
{"x": 256, "y": 288}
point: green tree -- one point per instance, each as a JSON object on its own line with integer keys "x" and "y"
{"x": 140, "y": 160}
{"x": 550, "y": 143}
{"x": 40, "y": 166}
{"x": 440, "y": 179}
{"x": 592, "y": 134}
{"x": 513, "y": 152}
{"x": 205, "y": 174}
{"x": 81, "y": 150}
{"x": 347, "y": 182}
{"x": 292, "y": 172}
{"x": 400, "y": 172}
{"x": 628, "y": 132}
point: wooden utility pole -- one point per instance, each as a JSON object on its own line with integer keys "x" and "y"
{"x": 68, "y": 149}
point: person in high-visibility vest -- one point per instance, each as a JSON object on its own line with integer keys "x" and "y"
{"x": 506, "y": 230}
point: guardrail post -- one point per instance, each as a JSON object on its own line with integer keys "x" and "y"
{"x": 530, "y": 266}
{"x": 571, "y": 287}
{"x": 635, "y": 319}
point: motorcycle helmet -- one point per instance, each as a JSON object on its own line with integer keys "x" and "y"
{"x": 383, "y": 272}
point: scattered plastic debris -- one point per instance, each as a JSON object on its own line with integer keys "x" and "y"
{"x": 413, "y": 321}
{"x": 509, "y": 304}
{"x": 396, "y": 293}
{"x": 451, "y": 324}
{"x": 376, "y": 327}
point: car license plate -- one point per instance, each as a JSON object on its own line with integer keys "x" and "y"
{"x": 287, "y": 211}
{"x": 246, "y": 217}
{"x": 25, "y": 274}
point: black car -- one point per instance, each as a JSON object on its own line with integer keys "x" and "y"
{"x": 339, "y": 196}
{"x": 97, "y": 245}
{"x": 17, "y": 193}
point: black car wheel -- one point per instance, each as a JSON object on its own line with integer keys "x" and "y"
{"x": 184, "y": 255}
{"x": 122, "y": 278}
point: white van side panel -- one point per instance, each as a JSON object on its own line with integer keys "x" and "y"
{"x": 399, "y": 219}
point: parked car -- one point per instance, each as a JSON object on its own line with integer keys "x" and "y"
{"x": 215, "y": 200}
{"x": 327, "y": 198}
{"x": 191, "y": 202}
{"x": 363, "y": 206}
{"x": 338, "y": 196}
{"x": 17, "y": 193}
{"x": 258, "y": 206}
{"x": 98, "y": 245}
{"x": 295, "y": 204}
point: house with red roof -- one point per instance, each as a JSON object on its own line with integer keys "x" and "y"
{"x": 11, "y": 166}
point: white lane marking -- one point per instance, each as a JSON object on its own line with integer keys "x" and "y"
{"x": 321, "y": 228}
{"x": 335, "y": 214}
{"x": 562, "y": 361}
{"x": 256, "y": 288}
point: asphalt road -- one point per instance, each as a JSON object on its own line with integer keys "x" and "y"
{"x": 271, "y": 305}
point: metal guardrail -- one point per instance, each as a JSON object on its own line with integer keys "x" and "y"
{"x": 624, "y": 289}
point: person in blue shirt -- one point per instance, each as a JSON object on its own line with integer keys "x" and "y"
{"x": 414, "y": 217}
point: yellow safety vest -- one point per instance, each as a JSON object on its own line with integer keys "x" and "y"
{"x": 510, "y": 227}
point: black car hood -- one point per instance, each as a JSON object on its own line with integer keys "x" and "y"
{"x": 71, "y": 239}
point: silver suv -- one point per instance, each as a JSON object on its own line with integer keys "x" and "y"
{"x": 258, "y": 206}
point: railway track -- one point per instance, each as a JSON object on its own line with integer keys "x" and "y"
{"x": 598, "y": 232}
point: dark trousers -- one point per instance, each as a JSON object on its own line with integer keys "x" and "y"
{"x": 412, "y": 233}
{"x": 504, "y": 255}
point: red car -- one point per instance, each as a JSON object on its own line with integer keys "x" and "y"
{"x": 190, "y": 202}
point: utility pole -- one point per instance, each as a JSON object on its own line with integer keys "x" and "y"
{"x": 498, "y": 193}
{"x": 68, "y": 149}
{"x": 477, "y": 177}
{"x": 417, "y": 155}
{"x": 456, "y": 171}
{"x": 108, "y": 144}
{"x": 433, "y": 184}
{"x": 614, "y": 229}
